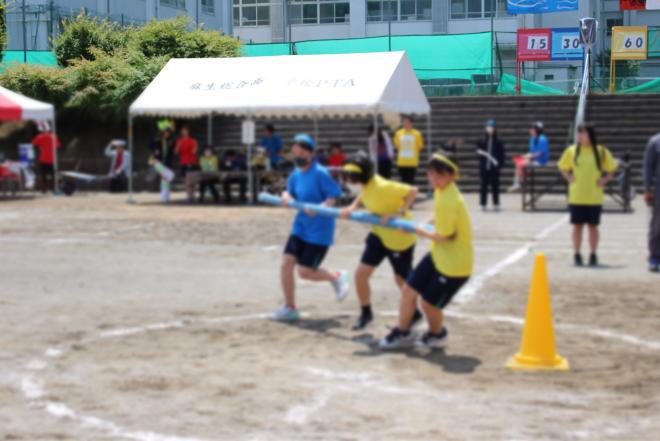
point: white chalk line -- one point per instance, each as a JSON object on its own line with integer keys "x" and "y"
{"x": 470, "y": 291}
{"x": 34, "y": 391}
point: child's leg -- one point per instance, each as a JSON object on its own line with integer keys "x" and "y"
{"x": 287, "y": 279}
{"x": 577, "y": 237}
{"x": 407, "y": 307}
{"x": 594, "y": 238}
{"x": 317, "y": 275}
{"x": 362, "y": 276}
{"x": 434, "y": 317}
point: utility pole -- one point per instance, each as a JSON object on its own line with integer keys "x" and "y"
{"x": 24, "y": 35}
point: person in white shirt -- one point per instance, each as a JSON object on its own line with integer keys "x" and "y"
{"x": 120, "y": 161}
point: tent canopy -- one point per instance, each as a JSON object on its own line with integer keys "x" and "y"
{"x": 16, "y": 107}
{"x": 285, "y": 86}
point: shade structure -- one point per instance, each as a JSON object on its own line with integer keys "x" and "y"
{"x": 318, "y": 86}
{"x": 16, "y": 107}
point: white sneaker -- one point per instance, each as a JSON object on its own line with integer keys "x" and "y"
{"x": 397, "y": 339}
{"x": 341, "y": 285}
{"x": 497, "y": 208}
{"x": 286, "y": 314}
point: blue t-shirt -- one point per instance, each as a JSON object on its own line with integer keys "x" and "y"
{"x": 274, "y": 147}
{"x": 540, "y": 145}
{"x": 313, "y": 185}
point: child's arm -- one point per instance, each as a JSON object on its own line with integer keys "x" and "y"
{"x": 435, "y": 237}
{"x": 346, "y": 212}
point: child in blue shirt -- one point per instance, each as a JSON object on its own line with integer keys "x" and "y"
{"x": 538, "y": 154}
{"x": 311, "y": 235}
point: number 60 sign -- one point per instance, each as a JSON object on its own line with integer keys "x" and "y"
{"x": 629, "y": 42}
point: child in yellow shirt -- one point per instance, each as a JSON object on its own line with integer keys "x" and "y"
{"x": 387, "y": 199}
{"x": 442, "y": 272}
{"x": 587, "y": 167}
{"x": 409, "y": 143}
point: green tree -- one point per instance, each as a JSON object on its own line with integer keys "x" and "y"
{"x": 3, "y": 27}
{"x": 173, "y": 38}
{"x": 80, "y": 35}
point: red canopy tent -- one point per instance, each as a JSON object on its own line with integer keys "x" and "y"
{"x": 16, "y": 107}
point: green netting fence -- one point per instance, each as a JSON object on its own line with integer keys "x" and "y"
{"x": 458, "y": 56}
{"x": 45, "y": 58}
{"x": 507, "y": 86}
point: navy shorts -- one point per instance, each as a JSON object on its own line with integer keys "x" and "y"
{"x": 585, "y": 214}
{"x": 307, "y": 254}
{"x": 434, "y": 287}
{"x": 375, "y": 252}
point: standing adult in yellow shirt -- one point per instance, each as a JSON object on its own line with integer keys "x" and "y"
{"x": 409, "y": 144}
{"x": 442, "y": 272}
{"x": 587, "y": 167}
{"x": 386, "y": 199}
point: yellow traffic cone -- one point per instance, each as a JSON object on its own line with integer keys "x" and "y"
{"x": 537, "y": 346}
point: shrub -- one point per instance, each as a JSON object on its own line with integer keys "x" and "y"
{"x": 43, "y": 83}
{"x": 80, "y": 35}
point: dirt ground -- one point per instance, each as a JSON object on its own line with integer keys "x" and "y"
{"x": 143, "y": 322}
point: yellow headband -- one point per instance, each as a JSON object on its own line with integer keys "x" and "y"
{"x": 353, "y": 168}
{"x": 446, "y": 160}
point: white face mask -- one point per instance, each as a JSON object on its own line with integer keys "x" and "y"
{"x": 355, "y": 189}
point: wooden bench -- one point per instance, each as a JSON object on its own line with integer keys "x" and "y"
{"x": 547, "y": 179}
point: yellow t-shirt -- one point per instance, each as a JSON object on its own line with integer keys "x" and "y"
{"x": 456, "y": 257}
{"x": 408, "y": 144}
{"x": 381, "y": 196}
{"x": 584, "y": 190}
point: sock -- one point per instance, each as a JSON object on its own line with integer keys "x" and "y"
{"x": 366, "y": 310}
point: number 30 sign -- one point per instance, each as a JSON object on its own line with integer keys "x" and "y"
{"x": 629, "y": 42}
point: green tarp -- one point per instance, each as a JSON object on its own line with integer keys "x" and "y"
{"x": 45, "y": 58}
{"x": 507, "y": 86}
{"x": 650, "y": 87}
{"x": 266, "y": 50}
{"x": 654, "y": 43}
{"x": 457, "y": 56}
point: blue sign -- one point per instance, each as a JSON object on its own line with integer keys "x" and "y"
{"x": 566, "y": 44}
{"x": 540, "y": 6}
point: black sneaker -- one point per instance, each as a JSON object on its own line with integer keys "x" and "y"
{"x": 654, "y": 265}
{"x": 417, "y": 318}
{"x": 577, "y": 259}
{"x": 363, "y": 321}
{"x": 429, "y": 340}
{"x": 593, "y": 259}
{"x": 396, "y": 339}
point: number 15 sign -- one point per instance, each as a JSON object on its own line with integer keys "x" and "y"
{"x": 534, "y": 44}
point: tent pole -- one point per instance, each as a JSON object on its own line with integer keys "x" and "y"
{"x": 130, "y": 163}
{"x": 250, "y": 171}
{"x": 209, "y": 130}
{"x": 429, "y": 142}
{"x": 376, "y": 133}
{"x": 56, "y": 180}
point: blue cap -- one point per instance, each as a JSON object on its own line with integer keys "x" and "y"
{"x": 304, "y": 138}
{"x": 491, "y": 123}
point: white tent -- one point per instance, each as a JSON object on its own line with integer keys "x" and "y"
{"x": 314, "y": 86}
{"x": 16, "y": 107}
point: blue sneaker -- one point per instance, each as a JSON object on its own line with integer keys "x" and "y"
{"x": 654, "y": 265}
{"x": 286, "y": 314}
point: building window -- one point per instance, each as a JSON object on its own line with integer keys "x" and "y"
{"x": 181, "y": 4}
{"x": 466, "y": 9}
{"x": 208, "y": 7}
{"x": 251, "y": 12}
{"x": 318, "y": 11}
{"x": 611, "y": 22}
{"x": 386, "y": 10}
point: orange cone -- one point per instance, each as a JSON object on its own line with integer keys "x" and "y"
{"x": 537, "y": 346}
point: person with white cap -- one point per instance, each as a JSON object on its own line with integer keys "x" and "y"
{"x": 120, "y": 161}
{"x": 311, "y": 236}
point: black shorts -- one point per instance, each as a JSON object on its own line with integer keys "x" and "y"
{"x": 46, "y": 169}
{"x": 185, "y": 169}
{"x": 307, "y": 254}
{"x": 585, "y": 214}
{"x": 375, "y": 252}
{"x": 434, "y": 287}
